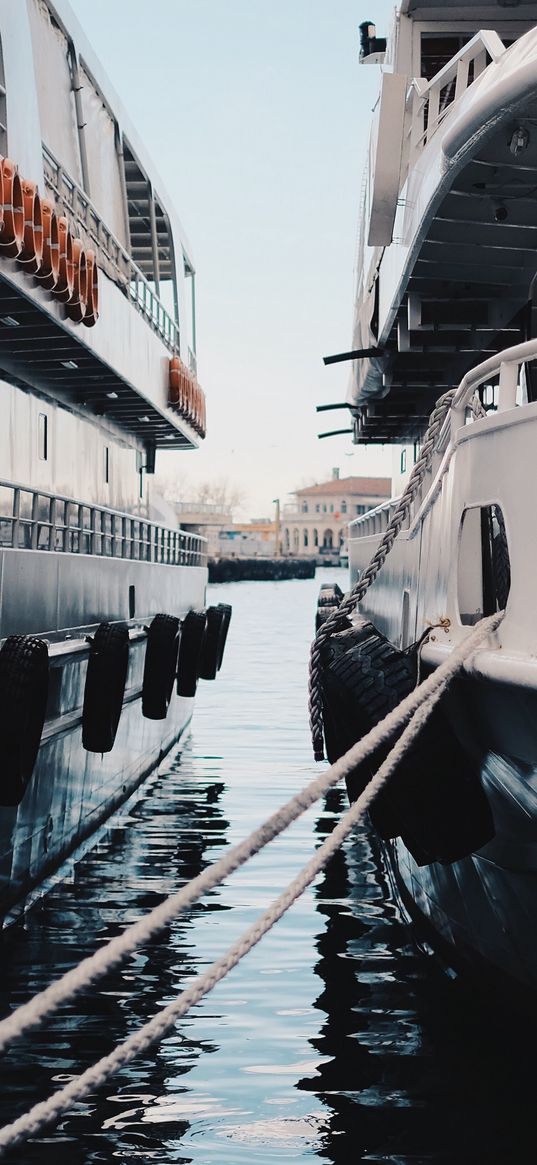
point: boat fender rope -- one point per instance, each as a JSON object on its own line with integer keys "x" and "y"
{"x": 410, "y": 715}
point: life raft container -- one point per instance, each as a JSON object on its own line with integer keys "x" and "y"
{"x": 160, "y": 667}
{"x": 105, "y": 686}
{"x": 434, "y": 801}
{"x": 190, "y": 652}
{"x": 213, "y": 644}
{"x": 23, "y": 704}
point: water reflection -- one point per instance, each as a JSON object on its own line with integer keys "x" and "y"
{"x": 334, "y": 1040}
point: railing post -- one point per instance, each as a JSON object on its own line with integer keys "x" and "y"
{"x": 508, "y": 386}
{"x": 52, "y": 520}
{"x": 15, "y": 525}
{"x": 34, "y": 537}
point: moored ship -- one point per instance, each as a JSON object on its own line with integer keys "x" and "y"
{"x": 445, "y": 311}
{"x": 102, "y": 595}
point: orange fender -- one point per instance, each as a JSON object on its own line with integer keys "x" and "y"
{"x": 64, "y": 286}
{"x": 48, "y": 273}
{"x": 31, "y": 253}
{"x": 75, "y": 306}
{"x": 12, "y": 233}
{"x": 92, "y": 290}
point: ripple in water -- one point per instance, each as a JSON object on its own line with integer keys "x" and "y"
{"x": 333, "y": 1040}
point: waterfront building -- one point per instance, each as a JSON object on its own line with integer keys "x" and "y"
{"x": 315, "y": 525}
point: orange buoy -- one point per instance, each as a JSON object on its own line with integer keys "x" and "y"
{"x": 12, "y": 233}
{"x": 31, "y": 253}
{"x": 75, "y": 306}
{"x": 47, "y": 276}
{"x": 64, "y": 285}
{"x": 92, "y": 290}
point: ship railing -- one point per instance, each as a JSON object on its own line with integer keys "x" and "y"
{"x": 501, "y": 378}
{"x": 34, "y": 519}
{"x": 428, "y": 102}
{"x": 113, "y": 258}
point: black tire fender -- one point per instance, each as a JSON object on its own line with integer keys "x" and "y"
{"x": 213, "y": 643}
{"x": 190, "y": 652}
{"x": 23, "y": 705}
{"x": 105, "y": 686}
{"x": 224, "y": 628}
{"x": 160, "y": 667}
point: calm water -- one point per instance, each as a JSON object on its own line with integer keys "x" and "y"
{"x": 334, "y": 1039}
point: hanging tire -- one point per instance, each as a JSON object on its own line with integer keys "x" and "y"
{"x": 105, "y": 686}
{"x": 23, "y": 705}
{"x": 160, "y": 667}
{"x": 434, "y": 800}
{"x": 190, "y": 652}
{"x": 224, "y": 628}
{"x": 330, "y": 596}
{"x": 214, "y": 641}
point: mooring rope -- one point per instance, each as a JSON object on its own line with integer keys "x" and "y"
{"x": 337, "y": 620}
{"x": 413, "y": 711}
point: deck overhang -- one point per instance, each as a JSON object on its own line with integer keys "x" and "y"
{"x": 38, "y": 351}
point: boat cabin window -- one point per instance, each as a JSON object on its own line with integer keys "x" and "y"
{"x": 484, "y": 570}
{"x": 151, "y": 243}
{"x": 42, "y": 436}
{"x": 437, "y": 50}
{"x": 107, "y": 464}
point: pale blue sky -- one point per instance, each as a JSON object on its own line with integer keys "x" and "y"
{"x": 257, "y": 114}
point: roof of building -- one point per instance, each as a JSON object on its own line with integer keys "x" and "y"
{"x": 380, "y": 487}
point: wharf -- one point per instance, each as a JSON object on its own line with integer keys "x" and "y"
{"x": 259, "y": 569}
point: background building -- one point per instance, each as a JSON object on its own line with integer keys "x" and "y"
{"x": 316, "y": 524}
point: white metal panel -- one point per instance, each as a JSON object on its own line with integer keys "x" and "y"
{"x": 54, "y": 88}
{"x": 390, "y": 118}
{"x": 103, "y": 162}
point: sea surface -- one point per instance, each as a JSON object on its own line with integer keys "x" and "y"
{"x": 335, "y": 1040}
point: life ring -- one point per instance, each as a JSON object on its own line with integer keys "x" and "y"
{"x": 434, "y": 801}
{"x": 92, "y": 290}
{"x": 105, "y": 686}
{"x": 31, "y": 252}
{"x": 160, "y": 667}
{"x": 48, "y": 273}
{"x": 75, "y": 307}
{"x": 23, "y": 704}
{"x": 12, "y": 234}
{"x": 190, "y": 650}
{"x": 64, "y": 284}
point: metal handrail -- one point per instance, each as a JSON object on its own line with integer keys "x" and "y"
{"x": 115, "y": 259}
{"x": 40, "y": 520}
{"x": 451, "y": 81}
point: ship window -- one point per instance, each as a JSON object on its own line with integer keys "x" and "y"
{"x": 484, "y": 569}
{"x": 403, "y": 460}
{"x": 150, "y": 235}
{"x": 42, "y": 436}
{"x": 106, "y": 464}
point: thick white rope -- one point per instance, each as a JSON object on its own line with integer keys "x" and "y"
{"x": 418, "y": 705}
